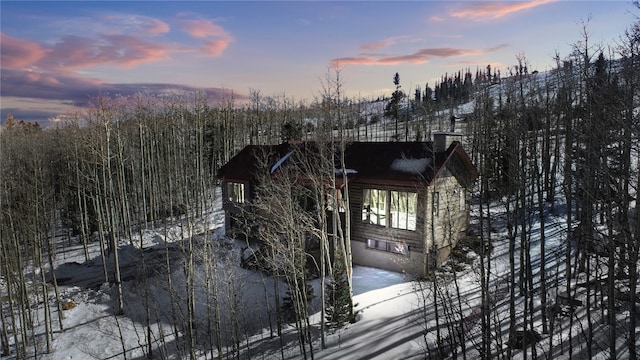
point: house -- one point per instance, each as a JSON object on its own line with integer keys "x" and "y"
{"x": 408, "y": 201}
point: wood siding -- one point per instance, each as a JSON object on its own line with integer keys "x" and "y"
{"x": 450, "y": 223}
{"x": 414, "y": 261}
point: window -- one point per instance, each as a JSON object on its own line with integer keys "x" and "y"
{"x": 374, "y": 205}
{"x": 399, "y": 206}
{"x": 403, "y": 210}
{"x": 463, "y": 194}
{"x": 235, "y": 192}
{"x": 436, "y": 204}
{"x": 388, "y": 246}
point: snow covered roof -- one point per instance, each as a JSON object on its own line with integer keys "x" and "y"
{"x": 279, "y": 162}
{"x": 346, "y": 171}
{"x": 411, "y": 166}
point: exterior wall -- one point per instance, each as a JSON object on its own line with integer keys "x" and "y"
{"x": 414, "y": 262}
{"x": 230, "y": 208}
{"x": 448, "y": 224}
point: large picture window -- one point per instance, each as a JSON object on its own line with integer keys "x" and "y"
{"x": 378, "y": 206}
{"x": 403, "y": 210}
{"x": 235, "y": 192}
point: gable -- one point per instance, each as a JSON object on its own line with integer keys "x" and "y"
{"x": 250, "y": 162}
{"x": 456, "y": 163}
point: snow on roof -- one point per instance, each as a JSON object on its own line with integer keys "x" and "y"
{"x": 279, "y": 162}
{"x": 346, "y": 171}
{"x": 411, "y": 166}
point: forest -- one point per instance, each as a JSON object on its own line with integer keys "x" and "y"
{"x": 558, "y": 153}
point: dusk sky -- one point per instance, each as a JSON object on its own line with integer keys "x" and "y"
{"x": 56, "y": 56}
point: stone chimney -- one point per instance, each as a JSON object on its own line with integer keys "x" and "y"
{"x": 443, "y": 139}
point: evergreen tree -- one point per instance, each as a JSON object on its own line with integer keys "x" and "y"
{"x": 291, "y": 131}
{"x": 339, "y": 308}
{"x": 290, "y": 313}
{"x": 393, "y": 107}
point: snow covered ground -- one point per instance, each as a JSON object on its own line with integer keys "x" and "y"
{"x": 396, "y": 316}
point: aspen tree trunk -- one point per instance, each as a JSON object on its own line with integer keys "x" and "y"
{"x": 54, "y": 280}
{"x": 111, "y": 218}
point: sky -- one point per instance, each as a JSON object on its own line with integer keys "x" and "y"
{"x": 56, "y": 56}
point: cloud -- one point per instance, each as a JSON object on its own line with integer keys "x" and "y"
{"x": 419, "y": 57}
{"x": 71, "y": 53}
{"x": 124, "y": 45}
{"x": 377, "y": 45}
{"x": 54, "y": 72}
{"x": 32, "y": 84}
{"x": 78, "y": 91}
{"x": 215, "y": 47}
{"x": 158, "y": 27}
{"x": 38, "y": 97}
{"x": 18, "y": 53}
{"x": 74, "y": 52}
{"x": 495, "y": 10}
{"x": 128, "y": 23}
{"x": 205, "y": 28}
{"x": 218, "y": 39}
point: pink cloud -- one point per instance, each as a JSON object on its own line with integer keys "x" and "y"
{"x": 74, "y": 52}
{"x": 205, "y": 28}
{"x": 376, "y": 45}
{"x": 215, "y": 47}
{"x": 363, "y": 60}
{"x": 18, "y": 53}
{"x": 157, "y": 27}
{"x": 495, "y": 10}
{"x": 37, "y": 77}
{"x": 419, "y": 57}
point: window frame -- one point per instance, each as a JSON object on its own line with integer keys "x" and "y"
{"x": 233, "y": 195}
{"x": 435, "y": 203}
{"x": 408, "y": 200}
{"x": 380, "y": 197}
{"x": 394, "y": 214}
{"x": 394, "y": 247}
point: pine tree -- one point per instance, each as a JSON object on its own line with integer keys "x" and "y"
{"x": 339, "y": 308}
{"x": 290, "y": 313}
{"x": 393, "y": 107}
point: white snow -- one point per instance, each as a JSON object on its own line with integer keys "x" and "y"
{"x": 281, "y": 161}
{"x": 411, "y": 166}
{"x": 346, "y": 171}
